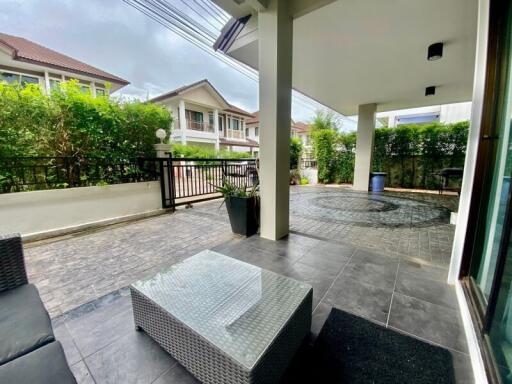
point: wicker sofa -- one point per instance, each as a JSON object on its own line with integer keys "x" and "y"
{"x": 29, "y": 352}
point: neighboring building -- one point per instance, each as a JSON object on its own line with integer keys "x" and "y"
{"x": 446, "y": 113}
{"x": 26, "y": 62}
{"x": 298, "y": 129}
{"x": 203, "y": 117}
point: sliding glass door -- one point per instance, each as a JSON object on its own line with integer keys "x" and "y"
{"x": 489, "y": 279}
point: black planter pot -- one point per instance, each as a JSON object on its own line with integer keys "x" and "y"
{"x": 244, "y": 213}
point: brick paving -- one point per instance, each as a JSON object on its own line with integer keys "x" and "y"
{"x": 72, "y": 270}
{"x": 413, "y": 225}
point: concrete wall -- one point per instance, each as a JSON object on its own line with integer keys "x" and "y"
{"x": 38, "y": 212}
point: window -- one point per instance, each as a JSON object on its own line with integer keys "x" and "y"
{"x": 246, "y": 132}
{"x": 9, "y": 77}
{"x": 18, "y": 78}
{"x": 235, "y": 124}
{"x": 54, "y": 83}
{"x": 220, "y": 123}
{"x": 85, "y": 88}
{"x": 194, "y": 116}
{"x": 256, "y": 131}
{"x": 417, "y": 119}
{"x": 29, "y": 80}
{"x": 210, "y": 118}
{"x": 100, "y": 92}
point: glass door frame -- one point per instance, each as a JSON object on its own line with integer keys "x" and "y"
{"x": 497, "y": 66}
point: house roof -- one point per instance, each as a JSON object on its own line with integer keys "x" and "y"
{"x": 240, "y": 111}
{"x": 245, "y": 143}
{"x": 27, "y": 51}
{"x": 180, "y": 90}
{"x": 301, "y": 127}
{"x": 298, "y": 126}
{"x": 255, "y": 119}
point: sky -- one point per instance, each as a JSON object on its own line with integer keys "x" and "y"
{"x": 113, "y": 36}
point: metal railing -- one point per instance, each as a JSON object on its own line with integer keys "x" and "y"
{"x": 200, "y": 126}
{"x": 195, "y": 179}
{"x": 182, "y": 180}
{"x": 233, "y": 134}
{"x": 19, "y": 174}
{"x": 308, "y": 163}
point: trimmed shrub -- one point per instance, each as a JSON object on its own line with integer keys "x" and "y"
{"x": 70, "y": 122}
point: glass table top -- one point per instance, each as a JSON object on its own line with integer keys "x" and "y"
{"x": 238, "y": 307}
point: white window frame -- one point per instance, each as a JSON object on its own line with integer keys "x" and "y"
{"x": 19, "y": 74}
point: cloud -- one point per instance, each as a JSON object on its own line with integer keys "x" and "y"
{"x": 117, "y": 38}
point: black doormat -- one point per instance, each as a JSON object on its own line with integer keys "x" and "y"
{"x": 350, "y": 349}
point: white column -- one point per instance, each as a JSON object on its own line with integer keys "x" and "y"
{"x": 216, "y": 129}
{"x": 275, "y": 28}
{"x": 364, "y": 146}
{"x": 47, "y": 86}
{"x": 183, "y": 122}
{"x": 93, "y": 88}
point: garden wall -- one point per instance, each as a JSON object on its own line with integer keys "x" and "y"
{"x": 39, "y": 214}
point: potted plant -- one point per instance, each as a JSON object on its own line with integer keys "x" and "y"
{"x": 243, "y": 207}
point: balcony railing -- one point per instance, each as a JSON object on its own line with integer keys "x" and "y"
{"x": 232, "y": 134}
{"x": 200, "y": 126}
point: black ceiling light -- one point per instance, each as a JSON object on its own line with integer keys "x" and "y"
{"x": 435, "y": 51}
{"x": 430, "y": 91}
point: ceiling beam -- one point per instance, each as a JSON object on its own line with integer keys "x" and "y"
{"x": 258, "y": 5}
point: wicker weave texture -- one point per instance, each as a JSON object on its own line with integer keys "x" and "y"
{"x": 207, "y": 362}
{"x": 12, "y": 263}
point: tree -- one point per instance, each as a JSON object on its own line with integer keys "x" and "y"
{"x": 295, "y": 152}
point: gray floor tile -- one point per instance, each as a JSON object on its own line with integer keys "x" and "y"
{"x": 360, "y": 298}
{"x": 432, "y": 322}
{"x": 68, "y": 344}
{"x": 81, "y": 373}
{"x": 382, "y": 276}
{"x": 177, "y": 375}
{"x": 435, "y": 292}
{"x": 134, "y": 358}
{"x": 320, "y": 315}
{"x": 423, "y": 270}
{"x": 93, "y": 331}
{"x": 320, "y": 280}
{"x": 316, "y": 259}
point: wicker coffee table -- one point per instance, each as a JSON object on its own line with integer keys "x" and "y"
{"x": 224, "y": 320}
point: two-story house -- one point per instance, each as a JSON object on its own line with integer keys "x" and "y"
{"x": 26, "y": 62}
{"x": 203, "y": 117}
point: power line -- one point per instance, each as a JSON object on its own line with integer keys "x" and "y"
{"x": 186, "y": 27}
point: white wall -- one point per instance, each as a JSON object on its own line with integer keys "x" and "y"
{"x": 35, "y": 212}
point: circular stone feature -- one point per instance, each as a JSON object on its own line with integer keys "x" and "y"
{"x": 366, "y": 210}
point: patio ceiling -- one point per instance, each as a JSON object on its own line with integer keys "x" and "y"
{"x": 353, "y": 52}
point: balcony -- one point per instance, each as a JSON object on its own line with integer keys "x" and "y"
{"x": 201, "y": 126}
{"x": 232, "y": 134}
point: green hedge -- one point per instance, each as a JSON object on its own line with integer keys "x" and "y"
{"x": 69, "y": 122}
{"x": 192, "y": 151}
{"x": 410, "y": 154}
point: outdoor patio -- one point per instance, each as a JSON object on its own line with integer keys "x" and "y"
{"x": 382, "y": 257}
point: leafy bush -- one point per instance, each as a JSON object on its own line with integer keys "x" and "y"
{"x": 295, "y": 152}
{"x": 410, "y": 154}
{"x": 304, "y": 181}
{"x": 69, "y": 122}
{"x": 180, "y": 150}
{"x": 324, "y": 149}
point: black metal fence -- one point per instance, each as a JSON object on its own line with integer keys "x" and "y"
{"x": 198, "y": 179}
{"x": 182, "y": 180}
{"x": 19, "y": 174}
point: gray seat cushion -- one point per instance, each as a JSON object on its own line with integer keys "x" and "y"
{"x": 24, "y": 323}
{"x": 43, "y": 366}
